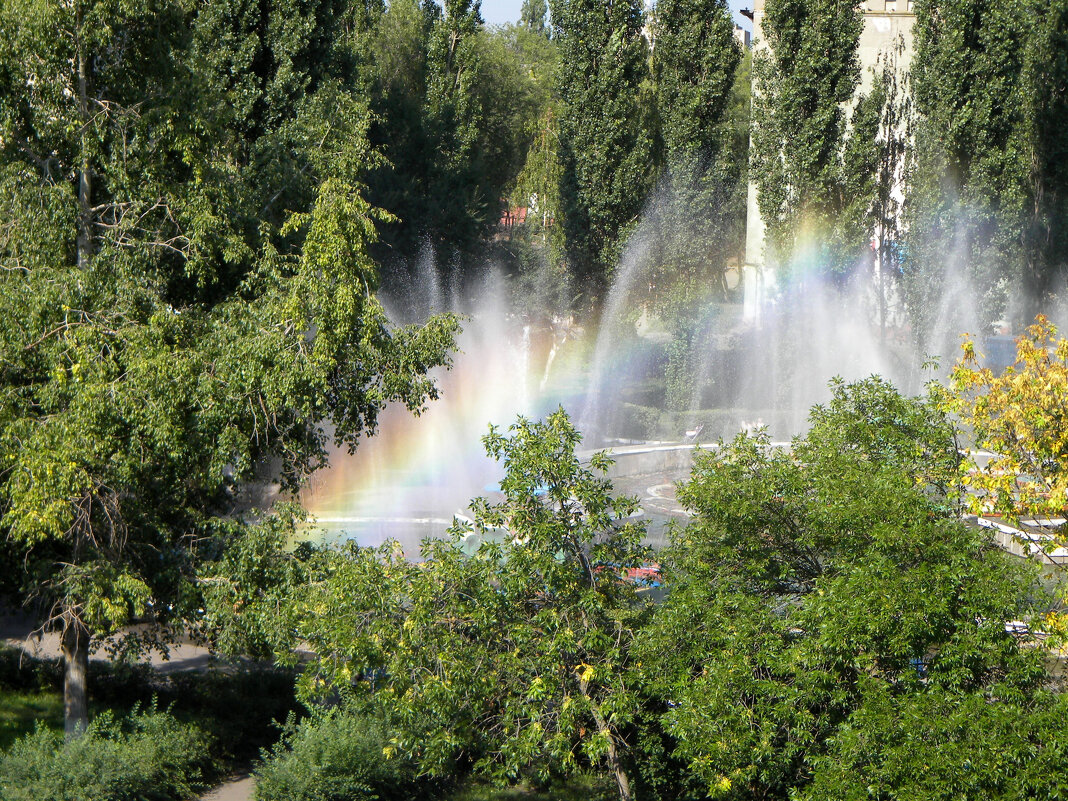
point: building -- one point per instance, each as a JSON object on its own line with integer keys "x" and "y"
{"x": 743, "y": 37}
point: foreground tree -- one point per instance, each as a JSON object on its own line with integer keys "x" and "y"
{"x": 154, "y": 351}
{"x": 823, "y": 592}
{"x": 515, "y": 658}
{"x": 1019, "y": 417}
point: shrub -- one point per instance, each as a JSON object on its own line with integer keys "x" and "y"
{"x": 147, "y": 756}
{"x": 20, "y": 671}
{"x": 338, "y": 757}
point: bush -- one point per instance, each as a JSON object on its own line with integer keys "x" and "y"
{"x": 147, "y": 756}
{"x": 339, "y": 757}
{"x": 20, "y": 671}
{"x": 238, "y": 704}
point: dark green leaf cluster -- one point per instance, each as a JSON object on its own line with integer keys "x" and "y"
{"x": 454, "y": 107}
{"x": 606, "y": 132}
{"x": 824, "y": 595}
{"x": 698, "y": 208}
{"x": 832, "y": 628}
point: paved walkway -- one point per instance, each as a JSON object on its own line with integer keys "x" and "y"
{"x": 16, "y": 628}
{"x": 239, "y": 788}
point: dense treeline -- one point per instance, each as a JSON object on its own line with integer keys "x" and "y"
{"x": 952, "y": 165}
{"x": 989, "y": 186}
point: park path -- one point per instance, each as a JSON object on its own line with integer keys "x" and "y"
{"x": 238, "y": 788}
{"x": 16, "y": 628}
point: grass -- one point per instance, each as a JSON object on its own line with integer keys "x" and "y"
{"x": 22, "y": 710}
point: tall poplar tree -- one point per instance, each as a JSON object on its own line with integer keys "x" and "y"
{"x": 700, "y": 202}
{"x": 450, "y": 102}
{"x": 804, "y": 83}
{"x": 989, "y": 189}
{"x": 606, "y": 131}
{"x": 533, "y": 16}
{"x": 694, "y": 64}
{"x": 455, "y": 117}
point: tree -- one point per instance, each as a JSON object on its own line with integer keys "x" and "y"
{"x": 892, "y": 98}
{"x": 516, "y": 658}
{"x": 606, "y": 131}
{"x": 944, "y": 746}
{"x": 155, "y": 352}
{"x": 801, "y": 140}
{"x": 698, "y": 202}
{"x": 453, "y": 106}
{"x": 454, "y": 115}
{"x": 815, "y": 583}
{"x": 988, "y": 186}
{"x": 533, "y": 14}
{"x": 1019, "y": 417}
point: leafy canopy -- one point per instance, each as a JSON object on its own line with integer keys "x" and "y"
{"x": 1020, "y": 419}
{"x": 817, "y": 581}
{"x": 515, "y": 658}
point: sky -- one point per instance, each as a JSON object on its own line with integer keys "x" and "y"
{"x": 498, "y": 12}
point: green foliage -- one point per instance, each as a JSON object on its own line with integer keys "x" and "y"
{"x": 694, "y": 62}
{"x": 454, "y": 116}
{"x": 337, "y": 757}
{"x": 606, "y": 131}
{"x": 988, "y": 184}
{"x": 147, "y": 756}
{"x": 517, "y": 658}
{"x": 455, "y": 106}
{"x": 943, "y": 746}
{"x": 534, "y": 16}
{"x": 579, "y": 788}
{"x": 808, "y": 165}
{"x": 697, "y": 216}
{"x": 166, "y": 329}
{"x": 814, "y": 582}
{"x": 23, "y": 710}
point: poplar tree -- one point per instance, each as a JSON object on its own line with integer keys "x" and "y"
{"x": 455, "y": 116}
{"x": 988, "y": 195}
{"x": 450, "y": 102}
{"x": 606, "y": 131}
{"x": 804, "y": 83}
{"x": 699, "y": 204}
{"x": 533, "y": 15}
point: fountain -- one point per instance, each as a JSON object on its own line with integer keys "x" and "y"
{"x": 417, "y": 474}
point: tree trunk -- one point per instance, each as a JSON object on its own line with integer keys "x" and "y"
{"x": 75, "y": 644}
{"x": 614, "y": 761}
